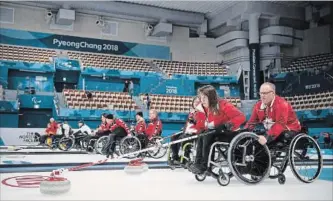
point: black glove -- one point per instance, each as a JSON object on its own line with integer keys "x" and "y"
{"x": 224, "y": 127}
{"x": 192, "y": 121}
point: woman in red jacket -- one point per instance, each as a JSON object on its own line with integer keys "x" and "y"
{"x": 189, "y": 130}
{"x": 219, "y": 115}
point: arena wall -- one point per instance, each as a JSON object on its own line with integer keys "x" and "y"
{"x": 315, "y": 41}
{"x": 182, "y": 47}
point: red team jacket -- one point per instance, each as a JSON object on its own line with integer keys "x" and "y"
{"x": 140, "y": 127}
{"x": 228, "y": 114}
{"x": 52, "y": 128}
{"x": 199, "y": 117}
{"x": 120, "y": 123}
{"x": 154, "y": 128}
{"x": 277, "y": 117}
{"x": 104, "y": 127}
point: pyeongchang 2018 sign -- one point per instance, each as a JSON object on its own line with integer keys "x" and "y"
{"x": 62, "y": 44}
{"x": 73, "y": 43}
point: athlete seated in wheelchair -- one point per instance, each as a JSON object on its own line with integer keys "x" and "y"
{"x": 63, "y": 130}
{"x": 280, "y": 142}
{"x": 218, "y": 115}
{"x": 145, "y": 136}
{"x": 140, "y": 129}
{"x": 50, "y": 131}
{"x": 118, "y": 130}
{"x": 185, "y": 148}
{"x": 98, "y": 139}
{"x": 79, "y": 139}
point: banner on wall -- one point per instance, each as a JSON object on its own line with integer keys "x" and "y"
{"x": 170, "y": 87}
{"x": 22, "y": 136}
{"x": 73, "y": 43}
{"x": 254, "y": 70}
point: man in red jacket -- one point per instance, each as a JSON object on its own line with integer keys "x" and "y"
{"x": 104, "y": 128}
{"x": 50, "y": 131}
{"x": 118, "y": 129}
{"x": 219, "y": 115}
{"x": 275, "y": 113}
{"x": 155, "y": 125}
{"x": 140, "y": 124}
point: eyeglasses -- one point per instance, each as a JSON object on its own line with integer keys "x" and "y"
{"x": 264, "y": 93}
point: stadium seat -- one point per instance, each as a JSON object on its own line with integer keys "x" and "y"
{"x": 310, "y": 62}
{"x": 111, "y": 62}
{"x": 172, "y": 103}
{"x": 315, "y": 101}
{"x": 191, "y": 68}
{"x": 100, "y": 100}
{"x": 26, "y": 54}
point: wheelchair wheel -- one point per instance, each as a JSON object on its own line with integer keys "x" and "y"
{"x": 100, "y": 143}
{"x": 306, "y": 161}
{"x": 281, "y": 179}
{"x": 223, "y": 179}
{"x": 200, "y": 177}
{"x": 130, "y": 144}
{"x": 66, "y": 143}
{"x": 187, "y": 155}
{"x": 247, "y": 159}
{"x": 158, "y": 152}
{"x": 278, "y": 167}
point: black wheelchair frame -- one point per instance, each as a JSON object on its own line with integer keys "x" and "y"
{"x": 232, "y": 164}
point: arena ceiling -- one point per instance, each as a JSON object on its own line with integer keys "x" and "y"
{"x": 209, "y": 8}
{"x": 183, "y": 13}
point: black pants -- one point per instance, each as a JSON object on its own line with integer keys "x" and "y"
{"x": 204, "y": 144}
{"x": 143, "y": 140}
{"x": 81, "y": 137}
{"x": 284, "y": 138}
{"x": 176, "y": 147}
{"x": 111, "y": 144}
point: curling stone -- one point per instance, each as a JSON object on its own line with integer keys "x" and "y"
{"x": 136, "y": 167}
{"x": 55, "y": 186}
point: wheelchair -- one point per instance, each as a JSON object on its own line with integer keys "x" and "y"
{"x": 136, "y": 142}
{"x": 78, "y": 142}
{"x": 251, "y": 163}
{"x": 186, "y": 153}
{"x": 123, "y": 145}
{"x": 53, "y": 142}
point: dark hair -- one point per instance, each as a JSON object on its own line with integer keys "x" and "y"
{"x": 140, "y": 114}
{"x": 109, "y": 116}
{"x": 194, "y": 99}
{"x": 104, "y": 115}
{"x": 213, "y": 98}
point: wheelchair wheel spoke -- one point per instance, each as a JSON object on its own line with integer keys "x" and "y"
{"x": 306, "y": 159}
